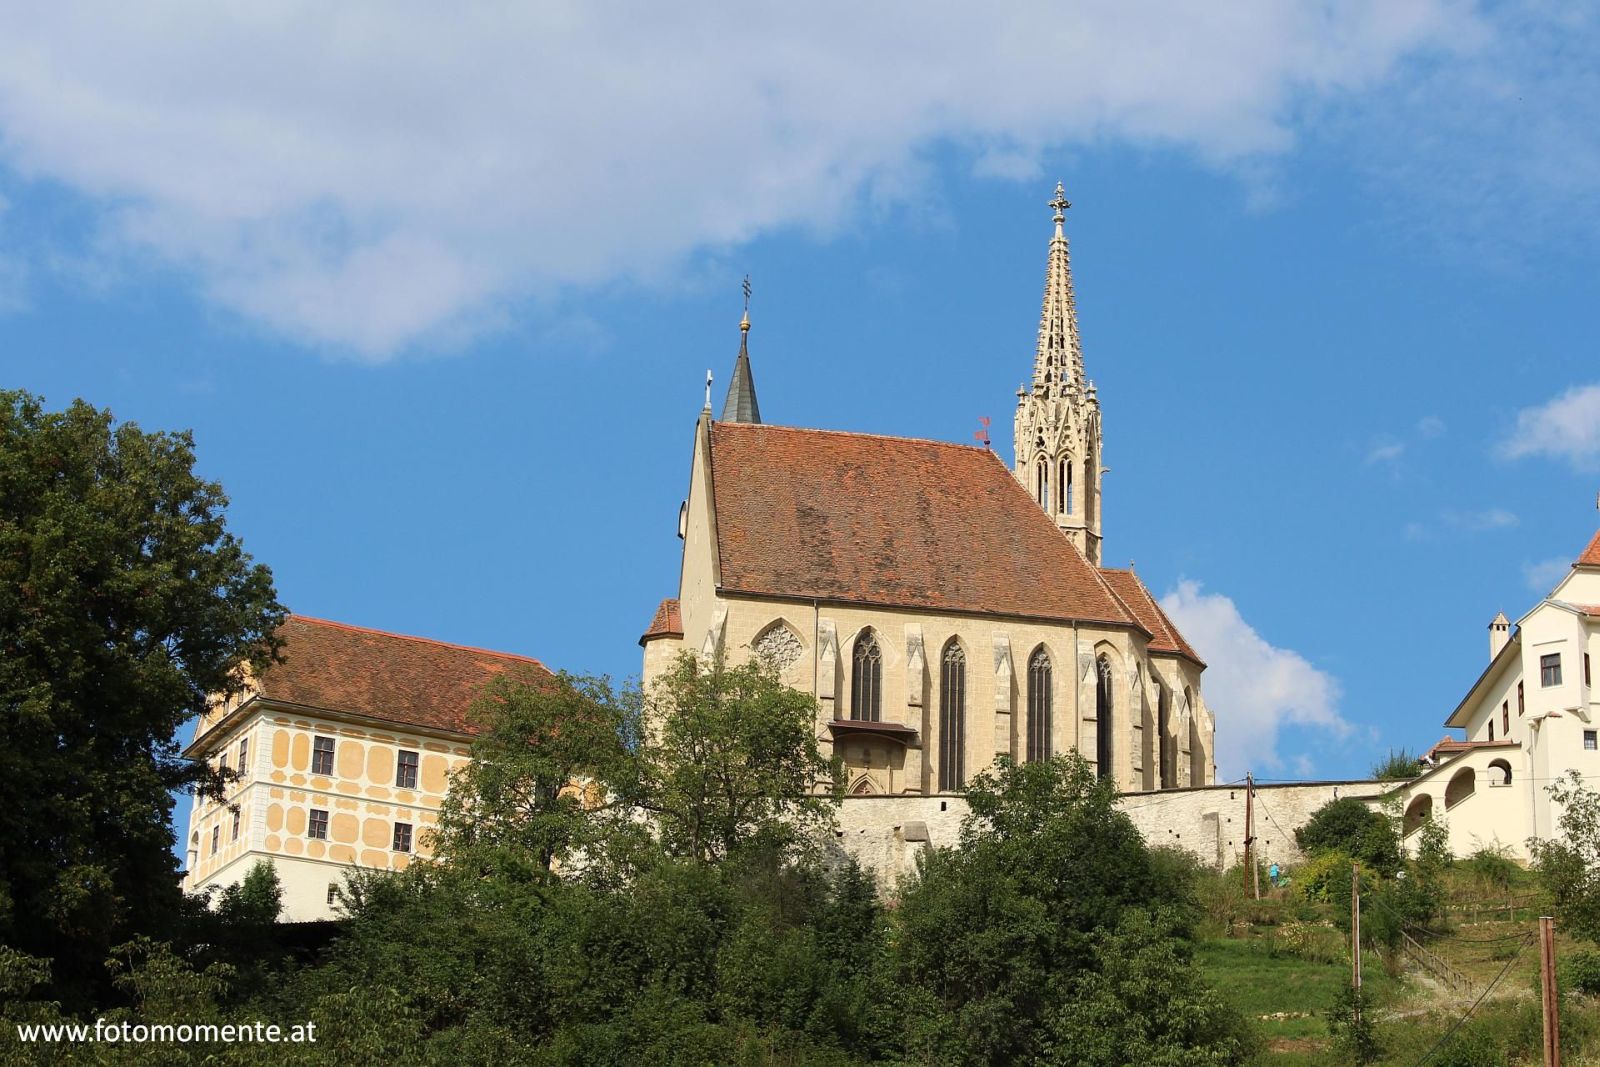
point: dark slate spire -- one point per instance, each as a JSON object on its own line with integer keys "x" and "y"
{"x": 741, "y": 404}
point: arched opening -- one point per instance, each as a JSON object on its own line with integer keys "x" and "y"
{"x": 1102, "y": 719}
{"x": 1499, "y": 772}
{"x": 1462, "y": 786}
{"x": 863, "y": 787}
{"x": 952, "y": 716}
{"x": 778, "y": 646}
{"x": 866, "y": 679}
{"x": 1066, "y": 486}
{"x": 1166, "y": 764}
{"x": 1040, "y": 677}
{"x": 1044, "y": 484}
{"x": 1417, "y": 812}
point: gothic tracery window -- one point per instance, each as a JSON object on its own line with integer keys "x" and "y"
{"x": 778, "y": 646}
{"x": 952, "y": 716}
{"x": 1039, "y": 705}
{"x": 866, "y": 679}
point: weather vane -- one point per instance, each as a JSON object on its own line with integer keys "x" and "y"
{"x": 747, "y": 296}
{"x": 708, "y": 388}
{"x": 982, "y": 434}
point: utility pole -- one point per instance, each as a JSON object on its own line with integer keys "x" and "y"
{"x": 1355, "y": 928}
{"x": 1250, "y": 831}
{"x": 1547, "y": 982}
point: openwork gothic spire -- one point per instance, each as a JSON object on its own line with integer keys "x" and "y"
{"x": 1058, "y": 364}
{"x": 1057, "y": 437}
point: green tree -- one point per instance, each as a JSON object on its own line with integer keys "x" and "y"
{"x": 1569, "y": 866}
{"x": 997, "y": 934}
{"x": 550, "y": 759}
{"x": 1399, "y": 764}
{"x": 125, "y": 607}
{"x": 1349, "y": 826}
{"x": 730, "y": 756}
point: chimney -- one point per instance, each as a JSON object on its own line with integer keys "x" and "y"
{"x": 1499, "y": 634}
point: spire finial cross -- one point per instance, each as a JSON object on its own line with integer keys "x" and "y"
{"x": 744, "y": 323}
{"x": 1060, "y": 203}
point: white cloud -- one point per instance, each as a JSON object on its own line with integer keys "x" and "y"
{"x": 1430, "y": 426}
{"x": 1251, "y": 686}
{"x": 1385, "y": 451}
{"x": 1480, "y": 521}
{"x": 363, "y": 176}
{"x": 1543, "y": 576}
{"x": 1567, "y": 427}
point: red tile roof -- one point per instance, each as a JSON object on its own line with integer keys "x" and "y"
{"x": 892, "y": 521}
{"x": 1164, "y": 636}
{"x": 668, "y": 622}
{"x": 1591, "y": 555}
{"x": 410, "y": 680}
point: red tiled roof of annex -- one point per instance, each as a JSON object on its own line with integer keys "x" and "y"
{"x": 1590, "y": 557}
{"x": 668, "y": 621}
{"x": 892, "y": 521}
{"x": 1164, "y": 636}
{"x": 415, "y": 681}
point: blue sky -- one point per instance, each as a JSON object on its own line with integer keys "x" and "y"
{"x": 437, "y": 299}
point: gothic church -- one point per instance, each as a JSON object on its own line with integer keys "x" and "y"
{"x": 943, "y": 609}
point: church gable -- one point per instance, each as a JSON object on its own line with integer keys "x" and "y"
{"x": 894, "y": 522}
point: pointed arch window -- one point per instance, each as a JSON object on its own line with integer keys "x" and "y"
{"x": 1103, "y": 726}
{"x": 1039, "y": 705}
{"x": 1043, "y": 487}
{"x": 1064, "y": 487}
{"x": 952, "y": 716}
{"x": 1167, "y": 770}
{"x": 866, "y": 679}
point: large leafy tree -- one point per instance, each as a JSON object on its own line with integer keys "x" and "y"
{"x": 125, "y": 606}
{"x": 1050, "y": 914}
{"x": 550, "y": 771}
{"x": 730, "y": 756}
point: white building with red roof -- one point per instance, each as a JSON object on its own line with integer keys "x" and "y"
{"x": 1532, "y": 716}
{"x": 339, "y": 756}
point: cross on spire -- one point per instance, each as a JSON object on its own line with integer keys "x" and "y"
{"x": 1060, "y": 203}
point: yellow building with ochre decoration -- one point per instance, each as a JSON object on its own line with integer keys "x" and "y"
{"x": 343, "y": 754}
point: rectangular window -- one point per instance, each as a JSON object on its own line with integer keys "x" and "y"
{"x": 1505, "y": 718}
{"x": 1586, "y": 677}
{"x": 322, "y": 755}
{"x": 216, "y": 839}
{"x": 1491, "y": 729}
{"x": 333, "y": 893}
{"x": 1550, "y": 670}
{"x": 1521, "y": 704}
{"x": 244, "y": 753}
{"x": 235, "y": 824}
{"x": 1589, "y": 742}
{"x": 405, "y": 771}
{"x": 317, "y": 826}
{"x": 402, "y": 837}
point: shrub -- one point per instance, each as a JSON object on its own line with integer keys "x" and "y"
{"x": 1580, "y": 972}
{"x": 1491, "y": 868}
{"x": 1399, "y": 764}
{"x": 1349, "y": 826}
{"x": 1316, "y": 876}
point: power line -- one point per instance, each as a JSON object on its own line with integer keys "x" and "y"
{"x": 1448, "y": 1034}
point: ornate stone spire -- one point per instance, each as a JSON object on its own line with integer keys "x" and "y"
{"x": 1058, "y": 364}
{"x": 1057, "y": 431}
{"x": 741, "y": 405}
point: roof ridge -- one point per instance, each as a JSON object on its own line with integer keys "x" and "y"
{"x": 855, "y": 433}
{"x": 353, "y": 628}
